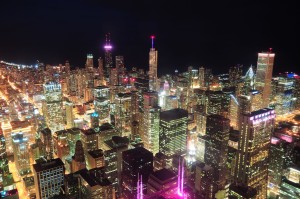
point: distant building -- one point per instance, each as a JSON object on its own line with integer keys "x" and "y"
{"x": 52, "y": 106}
{"x": 101, "y": 102}
{"x": 264, "y": 73}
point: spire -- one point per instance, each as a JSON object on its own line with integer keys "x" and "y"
{"x": 180, "y": 178}
{"x": 152, "y": 41}
{"x": 107, "y": 45}
{"x": 139, "y": 188}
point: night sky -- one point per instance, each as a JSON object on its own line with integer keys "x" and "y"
{"x": 215, "y": 34}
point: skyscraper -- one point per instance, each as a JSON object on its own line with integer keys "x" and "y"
{"x": 108, "y": 62}
{"x": 48, "y": 178}
{"x": 136, "y": 162}
{"x": 264, "y": 75}
{"x": 89, "y": 62}
{"x": 173, "y": 132}
{"x": 150, "y": 127}
{"x": 47, "y": 141}
{"x": 21, "y": 153}
{"x": 78, "y": 160}
{"x": 101, "y": 102}
{"x": 152, "y": 66}
{"x": 52, "y": 106}
{"x": 69, "y": 115}
{"x": 253, "y": 150}
{"x": 216, "y": 148}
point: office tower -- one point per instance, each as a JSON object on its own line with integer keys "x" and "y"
{"x": 216, "y": 149}
{"x": 4, "y": 169}
{"x": 120, "y": 66}
{"x": 233, "y": 112}
{"x": 122, "y": 113}
{"x": 296, "y": 93}
{"x": 89, "y": 139}
{"x": 241, "y": 191}
{"x": 108, "y": 62}
{"x": 46, "y": 138}
{"x": 277, "y": 165}
{"x": 101, "y": 102}
{"x": 101, "y": 72}
{"x": 60, "y": 144}
{"x": 113, "y": 149}
{"x": 73, "y": 135}
{"x": 283, "y": 95}
{"x": 135, "y": 102}
{"x": 48, "y": 177}
{"x": 173, "y": 132}
{"x": 67, "y": 67}
{"x": 52, "y": 106}
{"x": 235, "y": 74}
{"x": 94, "y": 185}
{"x": 95, "y": 159}
{"x": 215, "y": 102}
{"x": 105, "y": 132}
{"x": 264, "y": 75}
{"x": 78, "y": 160}
{"x": 152, "y": 66}
{"x": 150, "y": 124}
{"x": 94, "y": 120}
{"x": 290, "y": 186}
{"x": 89, "y": 65}
{"x": 208, "y": 76}
{"x": 136, "y": 162}
{"x": 159, "y": 161}
{"x": 21, "y": 153}
{"x": 204, "y": 180}
{"x": 134, "y": 114}
{"x": 69, "y": 115}
{"x": 247, "y": 83}
{"x": 171, "y": 102}
{"x": 113, "y": 77}
{"x": 253, "y": 150}
{"x": 255, "y": 100}
{"x": 201, "y": 76}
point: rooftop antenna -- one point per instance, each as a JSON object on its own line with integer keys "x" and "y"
{"x": 270, "y": 50}
{"x": 152, "y": 40}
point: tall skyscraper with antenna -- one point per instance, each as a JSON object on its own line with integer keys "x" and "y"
{"x": 264, "y": 72}
{"x": 152, "y": 66}
{"x": 107, "y": 55}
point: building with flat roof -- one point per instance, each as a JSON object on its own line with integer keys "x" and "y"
{"x": 48, "y": 177}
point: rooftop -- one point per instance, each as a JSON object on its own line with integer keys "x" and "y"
{"x": 93, "y": 180}
{"x": 173, "y": 114}
{"x": 43, "y": 165}
{"x": 245, "y": 191}
{"x": 96, "y": 153}
{"x": 164, "y": 174}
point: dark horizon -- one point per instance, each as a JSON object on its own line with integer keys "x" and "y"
{"x": 213, "y": 35}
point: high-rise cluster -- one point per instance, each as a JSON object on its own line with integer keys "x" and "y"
{"x": 106, "y": 131}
